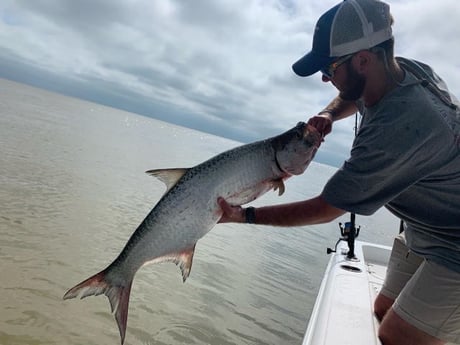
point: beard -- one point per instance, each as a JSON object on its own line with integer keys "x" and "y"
{"x": 354, "y": 85}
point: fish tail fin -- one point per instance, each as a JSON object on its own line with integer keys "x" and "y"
{"x": 118, "y": 296}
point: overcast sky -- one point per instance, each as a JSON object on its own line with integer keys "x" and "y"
{"x": 219, "y": 66}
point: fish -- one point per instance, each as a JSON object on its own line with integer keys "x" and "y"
{"x": 189, "y": 210}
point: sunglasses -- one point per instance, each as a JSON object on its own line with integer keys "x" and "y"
{"x": 330, "y": 70}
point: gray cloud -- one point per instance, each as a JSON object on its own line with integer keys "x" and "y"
{"x": 219, "y": 66}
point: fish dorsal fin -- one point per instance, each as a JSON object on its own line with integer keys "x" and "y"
{"x": 279, "y": 185}
{"x": 168, "y": 176}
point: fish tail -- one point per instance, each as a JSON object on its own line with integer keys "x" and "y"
{"x": 118, "y": 296}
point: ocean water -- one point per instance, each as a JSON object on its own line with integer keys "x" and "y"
{"x": 73, "y": 189}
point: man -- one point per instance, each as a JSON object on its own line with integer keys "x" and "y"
{"x": 406, "y": 156}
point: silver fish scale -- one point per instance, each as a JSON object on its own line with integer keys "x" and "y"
{"x": 189, "y": 210}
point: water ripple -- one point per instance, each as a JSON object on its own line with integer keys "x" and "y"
{"x": 72, "y": 191}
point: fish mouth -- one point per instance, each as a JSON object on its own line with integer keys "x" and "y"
{"x": 317, "y": 136}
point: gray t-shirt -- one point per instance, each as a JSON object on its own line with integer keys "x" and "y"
{"x": 406, "y": 156}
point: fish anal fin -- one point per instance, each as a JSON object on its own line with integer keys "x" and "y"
{"x": 183, "y": 259}
{"x": 279, "y": 185}
{"x": 168, "y": 176}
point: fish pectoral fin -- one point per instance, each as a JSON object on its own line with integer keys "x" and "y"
{"x": 279, "y": 185}
{"x": 183, "y": 259}
{"x": 168, "y": 176}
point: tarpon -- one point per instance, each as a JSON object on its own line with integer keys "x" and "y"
{"x": 189, "y": 209}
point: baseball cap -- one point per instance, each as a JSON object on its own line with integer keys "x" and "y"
{"x": 346, "y": 28}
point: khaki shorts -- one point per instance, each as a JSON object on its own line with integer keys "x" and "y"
{"x": 427, "y": 295}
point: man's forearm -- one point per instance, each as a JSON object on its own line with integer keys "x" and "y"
{"x": 340, "y": 109}
{"x": 313, "y": 211}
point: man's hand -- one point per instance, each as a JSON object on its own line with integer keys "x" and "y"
{"x": 232, "y": 214}
{"x": 322, "y": 122}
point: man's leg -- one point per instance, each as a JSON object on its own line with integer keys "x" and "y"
{"x": 401, "y": 267}
{"x": 427, "y": 310}
{"x": 381, "y": 306}
{"x": 396, "y": 331}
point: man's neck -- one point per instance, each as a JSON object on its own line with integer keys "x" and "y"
{"x": 381, "y": 82}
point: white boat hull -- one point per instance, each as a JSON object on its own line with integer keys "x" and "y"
{"x": 343, "y": 312}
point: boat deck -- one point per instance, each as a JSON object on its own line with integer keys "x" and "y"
{"x": 343, "y": 312}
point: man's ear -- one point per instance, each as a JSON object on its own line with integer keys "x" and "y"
{"x": 362, "y": 61}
